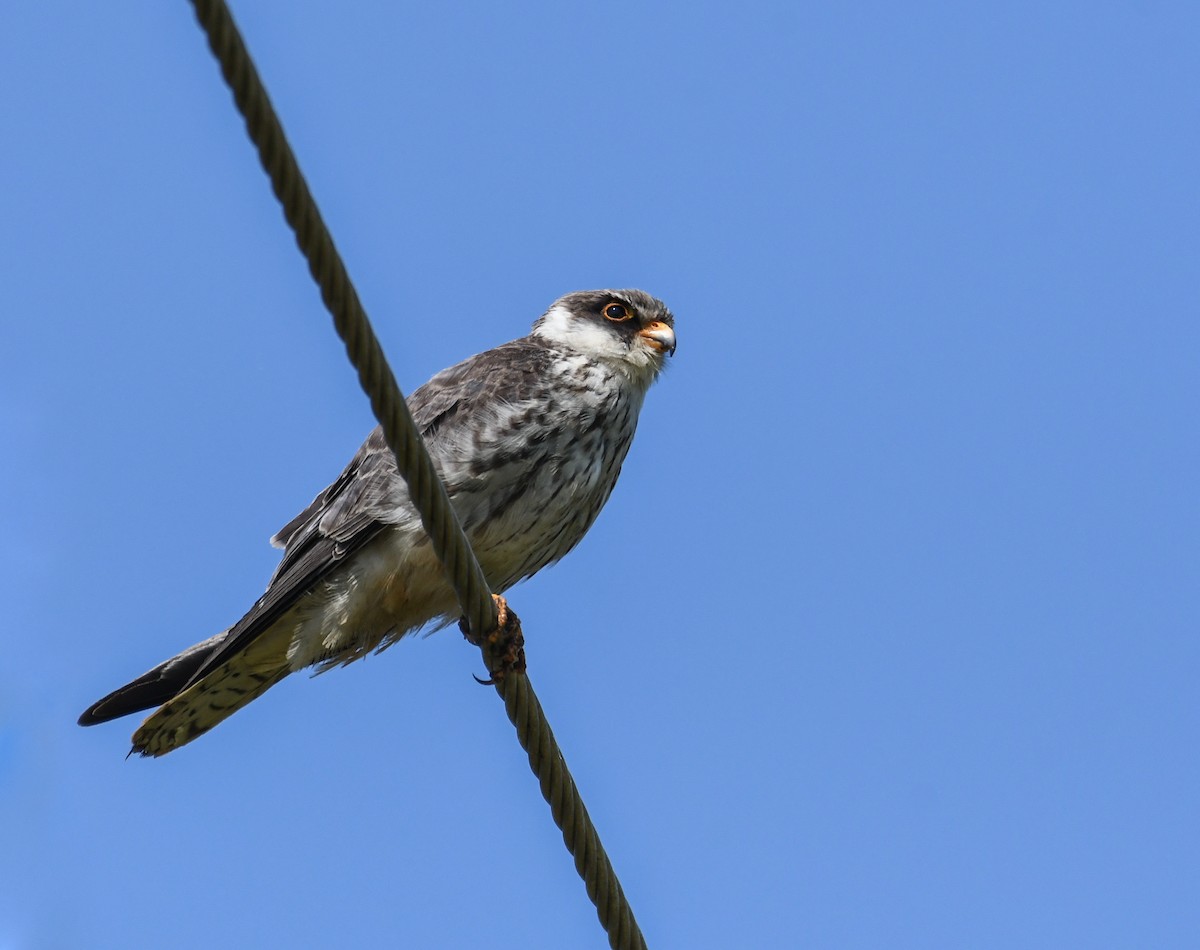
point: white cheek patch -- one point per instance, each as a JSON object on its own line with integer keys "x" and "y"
{"x": 583, "y": 336}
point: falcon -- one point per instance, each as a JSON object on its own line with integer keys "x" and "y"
{"x": 528, "y": 438}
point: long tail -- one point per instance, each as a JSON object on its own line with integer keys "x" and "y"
{"x": 202, "y": 705}
{"x": 155, "y": 687}
{"x": 189, "y": 709}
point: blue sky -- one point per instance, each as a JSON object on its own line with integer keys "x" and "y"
{"x": 888, "y": 636}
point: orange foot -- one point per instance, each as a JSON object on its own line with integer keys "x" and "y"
{"x": 503, "y": 646}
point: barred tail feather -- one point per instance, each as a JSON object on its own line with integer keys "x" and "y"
{"x": 198, "y": 708}
{"x": 154, "y": 687}
{"x": 217, "y": 695}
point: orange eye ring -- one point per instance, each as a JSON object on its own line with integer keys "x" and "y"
{"x": 617, "y": 312}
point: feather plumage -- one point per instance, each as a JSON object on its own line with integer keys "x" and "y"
{"x": 528, "y": 438}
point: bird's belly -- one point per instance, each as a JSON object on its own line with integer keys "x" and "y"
{"x": 540, "y": 511}
{"x": 390, "y": 587}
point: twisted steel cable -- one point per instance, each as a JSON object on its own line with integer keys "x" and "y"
{"x": 426, "y": 489}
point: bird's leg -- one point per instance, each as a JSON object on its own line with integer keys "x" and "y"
{"x": 503, "y": 646}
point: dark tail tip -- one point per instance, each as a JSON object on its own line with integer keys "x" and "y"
{"x": 89, "y": 716}
{"x": 128, "y": 699}
{"x": 153, "y": 688}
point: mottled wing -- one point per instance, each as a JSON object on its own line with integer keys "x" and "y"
{"x": 458, "y": 401}
{"x": 370, "y": 494}
{"x": 341, "y": 519}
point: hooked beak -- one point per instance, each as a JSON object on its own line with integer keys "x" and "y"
{"x": 659, "y": 336}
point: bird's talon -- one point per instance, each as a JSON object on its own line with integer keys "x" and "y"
{"x": 503, "y": 646}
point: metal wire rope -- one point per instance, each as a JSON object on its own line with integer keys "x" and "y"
{"x": 415, "y": 465}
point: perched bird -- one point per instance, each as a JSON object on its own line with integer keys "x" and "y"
{"x": 528, "y": 438}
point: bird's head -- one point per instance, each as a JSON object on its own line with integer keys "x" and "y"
{"x": 628, "y": 328}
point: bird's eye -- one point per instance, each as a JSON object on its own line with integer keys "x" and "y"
{"x": 617, "y": 312}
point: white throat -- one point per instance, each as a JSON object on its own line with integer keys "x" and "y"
{"x": 638, "y": 360}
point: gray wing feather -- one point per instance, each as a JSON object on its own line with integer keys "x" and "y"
{"x": 370, "y": 494}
